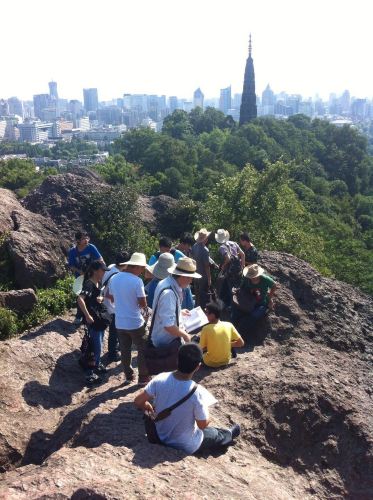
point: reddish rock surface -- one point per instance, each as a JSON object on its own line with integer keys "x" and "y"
{"x": 303, "y": 398}
{"x": 33, "y": 243}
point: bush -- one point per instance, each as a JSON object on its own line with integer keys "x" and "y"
{"x": 8, "y": 323}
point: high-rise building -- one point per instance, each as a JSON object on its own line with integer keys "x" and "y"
{"x": 173, "y": 103}
{"x": 225, "y": 101}
{"x": 90, "y": 99}
{"x": 198, "y": 98}
{"x": 41, "y": 102}
{"x": 4, "y": 107}
{"x": 75, "y": 108}
{"x": 268, "y": 96}
{"x": 248, "y": 109}
{"x": 53, "y": 90}
{"x": 15, "y": 106}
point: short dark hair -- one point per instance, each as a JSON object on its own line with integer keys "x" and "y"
{"x": 189, "y": 357}
{"x": 165, "y": 242}
{"x": 80, "y": 234}
{"x": 215, "y": 307}
{"x": 245, "y": 237}
{"x": 122, "y": 256}
{"x": 188, "y": 239}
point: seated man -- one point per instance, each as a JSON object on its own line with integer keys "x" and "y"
{"x": 263, "y": 287}
{"x": 186, "y": 428}
{"x": 218, "y": 337}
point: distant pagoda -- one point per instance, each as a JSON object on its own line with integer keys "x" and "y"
{"x": 248, "y": 109}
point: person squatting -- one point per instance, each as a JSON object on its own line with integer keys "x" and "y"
{"x": 151, "y": 313}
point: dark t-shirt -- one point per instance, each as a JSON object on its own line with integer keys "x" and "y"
{"x": 263, "y": 287}
{"x": 90, "y": 292}
{"x": 201, "y": 255}
{"x": 251, "y": 255}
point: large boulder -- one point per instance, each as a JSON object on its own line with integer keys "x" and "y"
{"x": 18, "y": 300}
{"x": 63, "y": 198}
{"x": 303, "y": 398}
{"x": 33, "y": 243}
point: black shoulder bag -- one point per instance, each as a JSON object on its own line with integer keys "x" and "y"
{"x": 150, "y": 420}
{"x": 162, "y": 359}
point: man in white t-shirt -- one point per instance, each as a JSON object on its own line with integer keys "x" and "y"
{"x": 186, "y": 428}
{"x": 118, "y": 267}
{"x": 127, "y": 290}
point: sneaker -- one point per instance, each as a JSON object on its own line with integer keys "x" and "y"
{"x": 144, "y": 380}
{"x": 235, "y": 430}
{"x": 77, "y": 321}
{"x": 101, "y": 368}
{"x": 92, "y": 379}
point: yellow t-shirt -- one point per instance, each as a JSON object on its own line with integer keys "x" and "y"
{"x": 217, "y": 339}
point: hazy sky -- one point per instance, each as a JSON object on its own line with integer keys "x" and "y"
{"x": 174, "y": 46}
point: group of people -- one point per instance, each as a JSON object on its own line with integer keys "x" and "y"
{"x": 176, "y": 279}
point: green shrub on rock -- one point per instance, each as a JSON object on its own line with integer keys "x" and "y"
{"x": 8, "y": 323}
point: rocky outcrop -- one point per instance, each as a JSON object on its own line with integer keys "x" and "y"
{"x": 33, "y": 244}
{"x": 18, "y": 300}
{"x": 303, "y": 397}
{"x": 63, "y": 199}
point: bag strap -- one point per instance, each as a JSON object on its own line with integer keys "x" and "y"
{"x": 155, "y": 311}
{"x": 109, "y": 278}
{"x": 166, "y": 412}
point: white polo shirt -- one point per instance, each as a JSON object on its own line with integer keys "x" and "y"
{"x": 167, "y": 305}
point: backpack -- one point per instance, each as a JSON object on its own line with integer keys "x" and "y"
{"x": 234, "y": 270}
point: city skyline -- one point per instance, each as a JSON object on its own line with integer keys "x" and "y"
{"x": 154, "y": 49}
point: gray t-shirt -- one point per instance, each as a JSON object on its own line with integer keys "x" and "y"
{"x": 200, "y": 254}
{"x": 179, "y": 430}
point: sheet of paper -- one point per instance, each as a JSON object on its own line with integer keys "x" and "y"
{"x": 195, "y": 320}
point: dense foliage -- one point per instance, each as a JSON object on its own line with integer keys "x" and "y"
{"x": 21, "y": 176}
{"x": 50, "y": 302}
{"x": 300, "y": 185}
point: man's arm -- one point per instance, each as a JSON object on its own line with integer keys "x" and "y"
{"x": 202, "y": 424}
{"x": 142, "y": 401}
{"x": 175, "y": 331}
{"x": 242, "y": 257}
{"x": 142, "y": 302}
{"x": 238, "y": 343}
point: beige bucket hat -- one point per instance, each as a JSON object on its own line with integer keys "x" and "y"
{"x": 253, "y": 271}
{"x": 222, "y": 236}
{"x": 137, "y": 259}
{"x": 202, "y": 235}
{"x": 185, "y": 267}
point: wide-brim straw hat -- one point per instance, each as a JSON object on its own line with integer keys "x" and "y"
{"x": 137, "y": 259}
{"x": 222, "y": 236}
{"x": 160, "y": 269}
{"x": 202, "y": 235}
{"x": 252, "y": 271}
{"x": 185, "y": 266}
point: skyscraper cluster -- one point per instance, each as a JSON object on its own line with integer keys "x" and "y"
{"x": 49, "y": 117}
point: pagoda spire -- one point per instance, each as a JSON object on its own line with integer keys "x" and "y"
{"x": 248, "y": 110}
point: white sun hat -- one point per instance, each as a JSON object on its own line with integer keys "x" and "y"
{"x": 222, "y": 236}
{"x": 185, "y": 267}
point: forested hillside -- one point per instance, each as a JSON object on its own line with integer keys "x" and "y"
{"x": 302, "y": 186}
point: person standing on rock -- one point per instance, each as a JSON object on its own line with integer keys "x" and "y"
{"x": 113, "y": 343}
{"x": 201, "y": 255}
{"x": 127, "y": 290}
{"x": 251, "y": 253}
{"x": 96, "y": 316}
{"x": 80, "y": 257}
{"x": 187, "y": 427}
